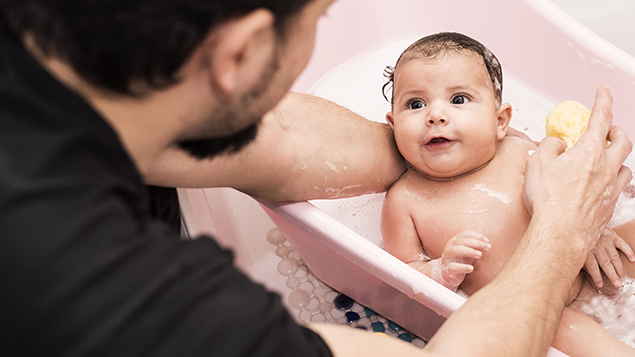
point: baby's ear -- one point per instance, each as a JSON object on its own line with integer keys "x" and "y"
{"x": 390, "y": 120}
{"x": 504, "y": 116}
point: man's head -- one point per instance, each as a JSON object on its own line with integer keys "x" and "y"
{"x": 113, "y": 44}
{"x": 224, "y": 63}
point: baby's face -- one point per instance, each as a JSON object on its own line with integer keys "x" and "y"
{"x": 445, "y": 116}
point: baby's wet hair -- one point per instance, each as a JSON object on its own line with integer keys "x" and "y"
{"x": 442, "y": 43}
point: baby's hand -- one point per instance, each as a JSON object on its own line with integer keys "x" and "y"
{"x": 458, "y": 255}
{"x": 605, "y": 255}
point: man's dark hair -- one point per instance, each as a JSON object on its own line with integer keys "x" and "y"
{"x": 113, "y": 43}
{"x": 441, "y": 43}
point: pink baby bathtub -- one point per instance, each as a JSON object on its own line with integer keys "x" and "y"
{"x": 536, "y": 42}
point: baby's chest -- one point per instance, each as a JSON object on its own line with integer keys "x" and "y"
{"x": 495, "y": 210}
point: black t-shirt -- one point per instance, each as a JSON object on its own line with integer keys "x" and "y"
{"x": 83, "y": 268}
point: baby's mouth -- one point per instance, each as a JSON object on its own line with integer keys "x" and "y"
{"x": 438, "y": 141}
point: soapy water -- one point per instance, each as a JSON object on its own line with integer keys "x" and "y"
{"x": 356, "y": 85}
{"x": 492, "y": 193}
{"x": 615, "y": 313}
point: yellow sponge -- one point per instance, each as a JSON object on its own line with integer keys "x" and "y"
{"x": 567, "y": 121}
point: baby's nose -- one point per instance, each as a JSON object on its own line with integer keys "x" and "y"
{"x": 437, "y": 116}
{"x": 434, "y": 121}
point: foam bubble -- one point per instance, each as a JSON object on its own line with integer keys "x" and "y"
{"x": 492, "y": 193}
{"x": 362, "y": 214}
{"x": 422, "y": 257}
{"x": 615, "y": 313}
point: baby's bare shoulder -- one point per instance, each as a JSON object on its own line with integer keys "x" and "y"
{"x": 516, "y": 141}
{"x": 518, "y": 146}
{"x": 397, "y": 203}
{"x": 406, "y": 188}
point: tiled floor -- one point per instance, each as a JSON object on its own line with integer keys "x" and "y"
{"x": 310, "y": 300}
{"x": 614, "y": 20}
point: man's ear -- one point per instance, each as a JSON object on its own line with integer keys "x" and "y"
{"x": 240, "y": 50}
{"x": 504, "y": 115}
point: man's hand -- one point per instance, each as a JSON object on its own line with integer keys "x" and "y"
{"x": 580, "y": 187}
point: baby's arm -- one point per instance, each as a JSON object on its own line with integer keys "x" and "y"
{"x": 402, "y": 240}
{"x": 398, "y": 230}
{"x": 605, "y": 255}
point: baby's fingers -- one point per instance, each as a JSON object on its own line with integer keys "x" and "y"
{"x": 464, "y": 251}
{"x": 621, "y": 244}
{"x": 591, "y": 266}
{"x": 609, "y": 261}
{"x": 458, "y": 268}
{"x": 470, "y": 239}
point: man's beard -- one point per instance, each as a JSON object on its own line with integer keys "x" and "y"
{"x": 208, "y": 148}
{"x": 227, "y": 145}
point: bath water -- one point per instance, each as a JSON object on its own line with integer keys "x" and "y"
{"x": 356, "y": 85}
{"x": 615, "y": 313}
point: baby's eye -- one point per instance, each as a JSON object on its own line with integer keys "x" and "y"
{"x": 415, "y": 104}
{"x": 460, "y": 99}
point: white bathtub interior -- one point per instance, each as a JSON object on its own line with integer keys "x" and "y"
{"x": 224, "y": 212}
{"x": 611, "y": 19}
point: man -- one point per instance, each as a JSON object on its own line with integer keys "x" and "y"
{"x": 97, "y": 98}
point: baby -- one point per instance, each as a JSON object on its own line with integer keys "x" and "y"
{"x": 460, "y": 202}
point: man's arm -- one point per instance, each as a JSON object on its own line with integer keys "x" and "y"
{"x": 306, "y": 148}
